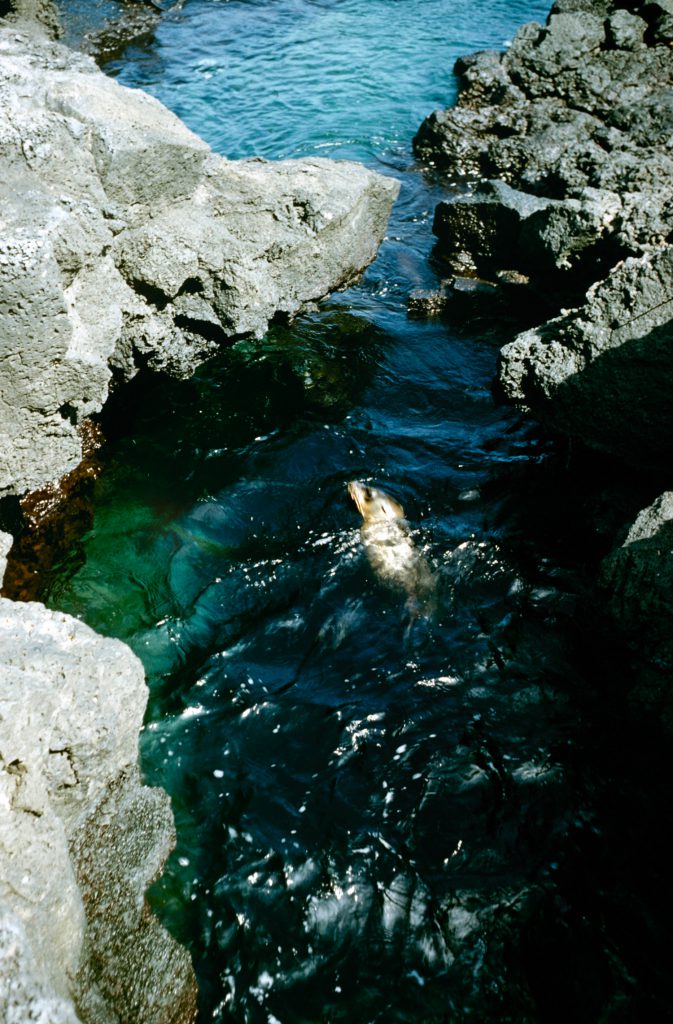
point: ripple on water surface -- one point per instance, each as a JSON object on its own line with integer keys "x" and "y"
{"x": 374, "y": 807}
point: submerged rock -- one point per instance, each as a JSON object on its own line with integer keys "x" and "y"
{"x": 572, "y": 127}
{"x": 80, "y": 836}
{"x": 128, "y": 243}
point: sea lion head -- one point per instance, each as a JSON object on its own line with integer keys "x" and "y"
{"x": 374, "y": 505}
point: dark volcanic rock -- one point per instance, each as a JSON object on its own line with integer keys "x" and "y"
{"x": 572, "y": 127}
{"x": 603, "y": 372}
{"x": 569, "y": 136}
{"x": 638, "y": 579}
{"x": 43, "y": 14}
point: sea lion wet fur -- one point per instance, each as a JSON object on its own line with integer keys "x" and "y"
{"x": 390, "y": 550}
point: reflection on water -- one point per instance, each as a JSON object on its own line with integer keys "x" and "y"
{"x": 381, "y": 817}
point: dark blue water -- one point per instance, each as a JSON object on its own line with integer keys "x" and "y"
{"x": 381, "y": 816}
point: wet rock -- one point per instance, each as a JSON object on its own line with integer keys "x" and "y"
{"x": 135, "y": 22}
{"x": 128, "y": 243}
{"x": 105, "y": 30}
{"x": 80, "y": 836}
{"x": 457, "y": 297}
{"x": 578, "y": 117}
{"x": 480, "y": 232}
{"x": 51, "y": 521}
{"x": 428, "y": 303}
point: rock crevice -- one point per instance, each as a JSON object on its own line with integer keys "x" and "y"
{"x": 566, "y": 140}
{"x": 572, "y": 127}
{"x": 126, "y": 243}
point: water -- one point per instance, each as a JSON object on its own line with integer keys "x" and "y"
{"x": 382, "y": 815}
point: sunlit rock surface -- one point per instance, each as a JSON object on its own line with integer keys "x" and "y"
{"x": 572, "y": 127}
{"x": 127, "y": 243}
{"x": 604, "y": 371}
{"x": 80, "y": 837}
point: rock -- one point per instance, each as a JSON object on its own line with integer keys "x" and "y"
{"x": 428, "y": 303}
{"x": 553, "y": 93}
{"x": 128, "y": 243}
{"x": 41, "y": 14}
{"x": 603, "y": 371}
{"x": 50, "y": 521}
{"x": 135, "y": 23}
{"x": 80, "y": 836}
{"x": 624, "y": 31}
{"x": 106, "y": 30}
{"x": 479, "y": 233}
{"x": 640, "y": 577}
{"x": 458, "y": 296}
{"x": 6, "y": 541}
{"x": 572, "y": 127}
{"x": 659, "y": 16}
{"x": 638, "y": 581}
{"x": 25, "y": 997}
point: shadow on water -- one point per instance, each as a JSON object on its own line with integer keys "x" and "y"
{"x": 379, "y": 819}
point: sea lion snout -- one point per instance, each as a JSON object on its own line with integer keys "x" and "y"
{"x": 374, "y": 505}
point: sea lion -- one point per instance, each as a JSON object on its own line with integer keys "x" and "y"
{"x": 387, "y": 542}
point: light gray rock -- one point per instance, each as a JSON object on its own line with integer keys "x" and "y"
{"x": 126, "y": 242}
{"x": 25, "y": 997}
{"x": 80, "y": 837}
{"x": 625, "y": 31}
{"x": 6, "y": 541}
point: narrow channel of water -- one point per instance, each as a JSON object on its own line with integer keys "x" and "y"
{"x": 381, "y": 817}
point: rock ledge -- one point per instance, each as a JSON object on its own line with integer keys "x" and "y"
{"x": 127, "y": 243}
{"x": 80, "y": 837}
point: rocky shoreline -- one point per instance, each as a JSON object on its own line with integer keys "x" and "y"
{"x": 127, "y": 244}
{"x": 130, "y": 245}
{"x": 562, "y": 147}
{"x": 81, "y": 838}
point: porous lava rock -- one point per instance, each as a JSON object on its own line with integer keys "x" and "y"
{"x": 128, "y": 243}
{"x": 562, "y": 146}
{"x": 566, "y": 139}
{"x": 81, "y": 837}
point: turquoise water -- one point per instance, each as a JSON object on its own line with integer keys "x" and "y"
{"x": 381, "y": 817}
{"x": 342, "y": 78}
